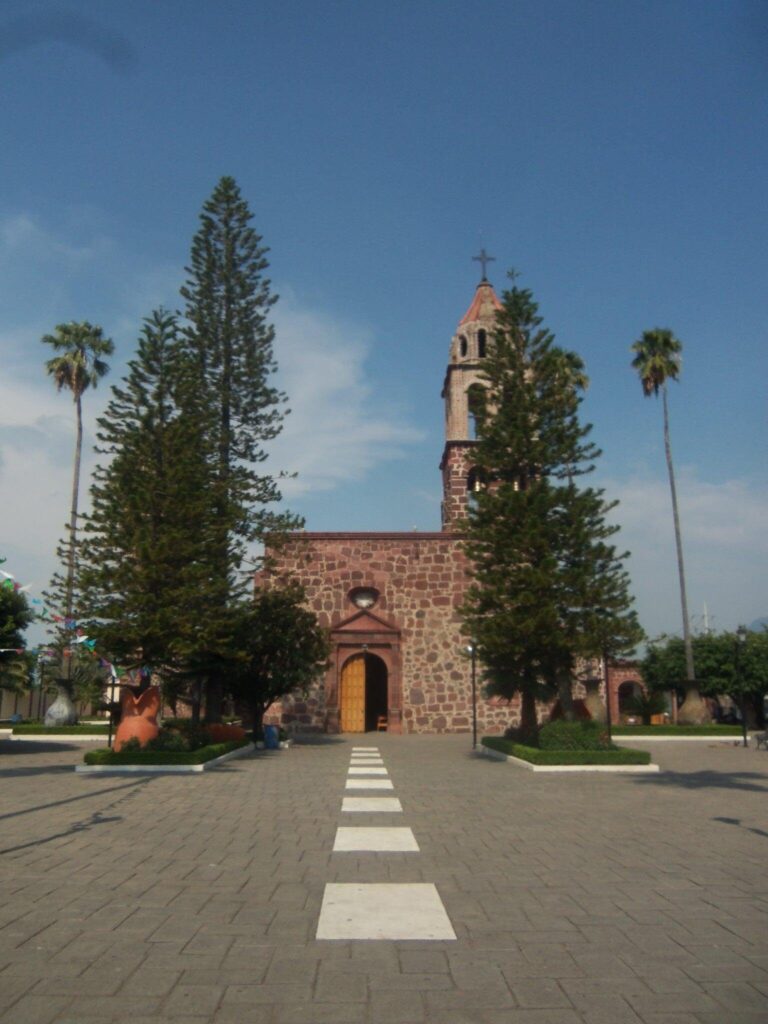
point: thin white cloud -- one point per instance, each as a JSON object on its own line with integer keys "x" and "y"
{"x": 725, "y": 546}
{"x": 332, "y": 433}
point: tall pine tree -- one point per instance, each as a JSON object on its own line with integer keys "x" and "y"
{"x": 547, "y": 586}
{"x": 229, "y": 340}
{"x": 145, "y": 577}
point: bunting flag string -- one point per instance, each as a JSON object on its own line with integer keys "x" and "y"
{"x": 82, "y": 640}
{"x": 10, "y": 582}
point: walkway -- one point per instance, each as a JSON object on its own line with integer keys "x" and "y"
{"x": 573, "y": 899}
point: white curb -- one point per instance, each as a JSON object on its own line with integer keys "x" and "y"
{"x": 614, "y": 769}
{"x": 55, "y": 737}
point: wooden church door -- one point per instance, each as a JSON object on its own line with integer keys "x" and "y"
{"x": 353, "y": 695}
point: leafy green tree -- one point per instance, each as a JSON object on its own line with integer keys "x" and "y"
{"x": 547, "y": 586}
{"x": 79, "y": 364}
{"x": 726, "y": 667}
{"x": 657, "y": 360}
{"x": 15, "y": 616}
{"x": 281, "y": 648}
{"x": 145, "y": 579}
{"x": 229, "y": 341}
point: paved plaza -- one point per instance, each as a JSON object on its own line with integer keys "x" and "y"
{"x": 574, "y": 899}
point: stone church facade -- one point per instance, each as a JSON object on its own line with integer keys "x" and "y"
{"x": 391, "y": 600}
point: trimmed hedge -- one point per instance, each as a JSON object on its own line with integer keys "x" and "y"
{"x": 580, "y": 735}
{"x": 160, "y": 757}
{"x": 677, "y": 730}
{"x": 60, "y": 730}
{"x": 619, "y": 755}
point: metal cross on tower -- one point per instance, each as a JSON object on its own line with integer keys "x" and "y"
{"x": 483, "y": 259}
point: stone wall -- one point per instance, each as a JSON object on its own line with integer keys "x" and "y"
{"x": 414, "y": 626}
{"x": 455, "y": 467}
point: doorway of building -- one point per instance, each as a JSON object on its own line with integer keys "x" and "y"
{"x": 363, "y": 693}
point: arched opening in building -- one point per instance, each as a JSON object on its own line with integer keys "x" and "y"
{"x": 363, "y": 693}
{"x": 629, "y": 691}
{"x": 481, "y": 344}
{"x": 463, "y": 345}
{"x": 475, "y": 408}
{"x": 476, "y": 482}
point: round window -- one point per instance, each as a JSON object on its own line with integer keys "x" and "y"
{"x": 364, "y": 597}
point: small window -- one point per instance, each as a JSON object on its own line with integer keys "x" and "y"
{"x": 481, "y": 344}
{"x": 463, "y": 345}
{"x": 364, "y": 597}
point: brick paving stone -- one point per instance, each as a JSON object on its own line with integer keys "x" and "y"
{"x": 619, "y": 899}
{"x": 396, "y": 1007}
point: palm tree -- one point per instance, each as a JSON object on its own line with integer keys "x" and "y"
{"x": 77, "y": 366}
{"x": 657, "y": 360}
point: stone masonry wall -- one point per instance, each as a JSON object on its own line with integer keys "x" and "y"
{"x": 421, "y": 580}
{"x": 455, "y": 467}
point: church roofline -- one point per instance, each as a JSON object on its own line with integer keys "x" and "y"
{"x": 343, "y": 535}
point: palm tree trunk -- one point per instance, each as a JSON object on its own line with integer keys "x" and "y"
{"x": 693, "y": 711}
{"x": 73, "y": 511}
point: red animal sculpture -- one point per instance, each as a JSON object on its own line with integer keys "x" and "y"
{"x": 138, "y": 716}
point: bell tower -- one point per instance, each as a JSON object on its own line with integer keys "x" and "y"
{"x": 468, "y": 347}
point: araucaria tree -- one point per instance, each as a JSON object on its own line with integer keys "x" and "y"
{"x": 548, "y": 588}
{"x": 229, "y": 342}
{"x": 144, "y": 576}
{"x": 657, "y": 359}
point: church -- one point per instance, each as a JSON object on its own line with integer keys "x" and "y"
{"x": 391, "y": 600}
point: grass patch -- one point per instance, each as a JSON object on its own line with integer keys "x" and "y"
{"x": 60, "y": 730}
{"x": 618, "y": 755}
{"x": 160, "y": 757}
{"x": 677, "y": 730}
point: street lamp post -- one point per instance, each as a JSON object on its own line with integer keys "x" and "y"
{"x": 472, "y": 650}
{"x": 741, "y": 639}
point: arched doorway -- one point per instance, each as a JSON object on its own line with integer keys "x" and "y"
{"x": 363, "y": 696}
{"x": 629, "y": 691}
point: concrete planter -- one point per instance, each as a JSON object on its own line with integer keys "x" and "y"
{"x": 610, "y": 769}
{"x": 161, "y": 769}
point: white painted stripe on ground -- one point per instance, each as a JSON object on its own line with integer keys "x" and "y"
{"x": 383, "y": 911}
{"x": 375, "y": 804}
{"x": 382, "y": 840}
{"x": 366, "y": 764}
{"x": 369, "y": 784}
{"x": 372, "y": 770}
{"x": 365, "y": 750}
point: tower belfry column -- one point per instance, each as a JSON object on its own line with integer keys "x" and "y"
{"x": 468, "y": 347}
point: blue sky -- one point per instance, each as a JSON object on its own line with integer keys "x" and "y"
{"x": 613, "y": 152}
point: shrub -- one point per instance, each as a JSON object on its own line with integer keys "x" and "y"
{"x": 615, "y": 755}
{"x": 220, "y": 733}
{"x": 677, "y": 730}
{"x": 562, "y": 735}
{"x": 168, "y": 739}
{"x": 131, "y": 746}
{"x": 160, "y": 757}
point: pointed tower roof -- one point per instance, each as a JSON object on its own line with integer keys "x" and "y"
{"x": 484, "y": 304}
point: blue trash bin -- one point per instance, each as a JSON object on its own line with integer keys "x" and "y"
{"x": 271, "y": 737}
